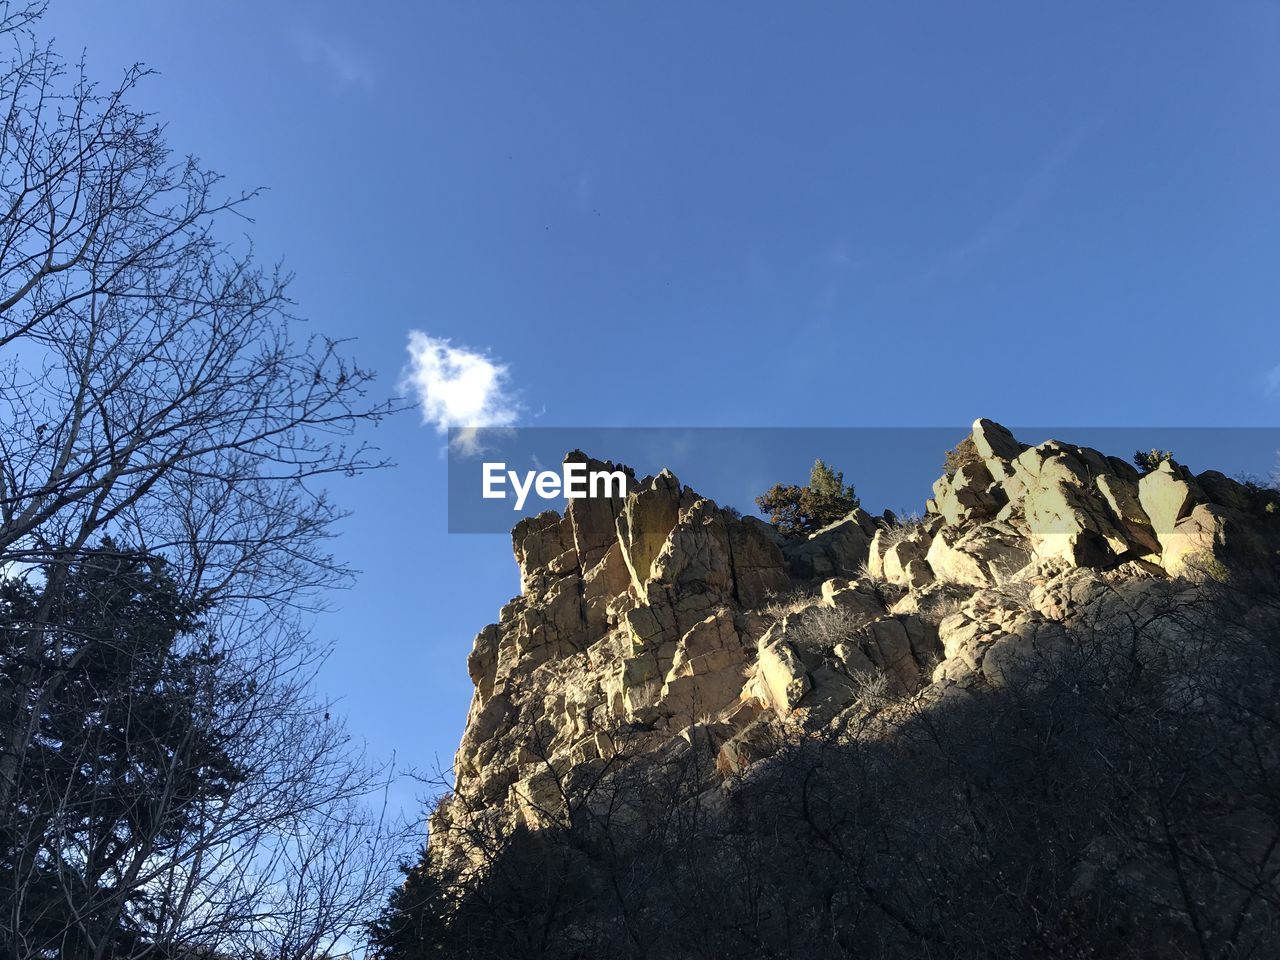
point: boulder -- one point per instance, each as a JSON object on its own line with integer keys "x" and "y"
{"x": 901, "y": 554}
{"x": 646, "y": 520}
{"x": 706, "y": 670}
{"x": 876, "y": 551}
{"x": 993, "y": 441}
{"x": 971, "y": 494}
{"x": 836, "y": 550}
{"x": 1021, "y": 656}
{"x": 1167, "y": 495}
{"x": 1121, "y": 497}
{"x": 858, "y": 597}
{"x": 981, "y": 556}
{"x": 1064, "y": 516}
{"x": 901, "y": 646}
{"x": 1200, "y": 543}
{"x": 1222, "y": 490}
{"x": 781, "y": 680}
{"x": 917, "y": 573}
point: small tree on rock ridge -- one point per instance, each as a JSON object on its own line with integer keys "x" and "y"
{"x": 961, "y": 455}
{"x": 799, "y": 510}
{"x": 1148, "y": 460}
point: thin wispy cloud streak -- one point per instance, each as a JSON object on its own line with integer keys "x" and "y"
{"x": 457, "y": 387}
{"x": 1271, "y": 386}
{"x": 342, "y": 64}
{"x": 1001, "y": 227}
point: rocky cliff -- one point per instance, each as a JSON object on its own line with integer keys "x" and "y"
{"x": 661, "y": 625}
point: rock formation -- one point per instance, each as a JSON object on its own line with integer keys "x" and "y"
{"x": 663, "y": 620}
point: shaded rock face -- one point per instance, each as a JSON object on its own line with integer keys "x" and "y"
{"x": 659, "y": 619}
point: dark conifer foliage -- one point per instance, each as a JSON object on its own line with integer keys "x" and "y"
{"x": 797, "y": 510}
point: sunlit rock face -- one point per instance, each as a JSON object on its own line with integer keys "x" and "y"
{"x": 656, "y": 625}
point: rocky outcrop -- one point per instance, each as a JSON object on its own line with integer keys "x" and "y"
{"x": 661, "y": 619}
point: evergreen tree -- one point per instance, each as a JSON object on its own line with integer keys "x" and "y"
{"x": 125, "y": 759}
{"x": 1148, "y": 460}
{"x": 412, "y": 925}
{"x": 797, "y": 510}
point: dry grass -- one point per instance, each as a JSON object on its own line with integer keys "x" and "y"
{"x": 784, "y": 605}
{"x": 864, "y": 573}
{"x": 1014, "y": 584}
{"x": 871, "y": 690}
{"x": 943, "y": 606}
{"x": 822, "y": 627}
{"x": 905, "y": 527}
{"x": 886, "y": 591}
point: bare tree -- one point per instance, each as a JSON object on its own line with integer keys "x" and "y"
{"x": 158, "y": 402}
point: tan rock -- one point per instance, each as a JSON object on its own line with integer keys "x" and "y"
{"x": 917, "y": 574}
{"x": 1021, "y": 656}
{"x": 994, "y": 441}
{"x": 641, "y": 687}
{"x": 537, "y": 541}
{"x": 696, "y": 551}
{"x": 647, "y": 636}
{"x": 644, "y": 629}
{"x": 758, "y": 566}
{"x": 646, "y": 520}
{"x": 1166, "y": 496}
{"x": 858, "y": 597}
{"x": 899, "y": 645}
{"x": 1065, "y": 518}
{"x": 706, "y": 671}
{"x": 836, "y": 550}
{"x": 482, "y": 662}
{"x": 970, "y": 495}
{"x": 1198, "y": 542}
{"x": 1121, "y": 497}
{"x": 898, "y": 556}
{"x": 981, "y": 556}
{"x": 782, "y": 678}
{"x": 537, "y": 799}
{"x": 934, "y": 600}
{"x": 602, "y": 585}
{"x": 593, "y": 520}
{"x": 875, "y": 553}
{"x": 758, "y": 740}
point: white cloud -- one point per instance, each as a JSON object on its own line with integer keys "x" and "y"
{"x": 458, "y": 387}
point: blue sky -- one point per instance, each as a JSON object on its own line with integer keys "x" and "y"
{"x": 709, "y": 214}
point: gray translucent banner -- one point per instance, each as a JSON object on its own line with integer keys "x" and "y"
{"x": 891, "y": 467}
